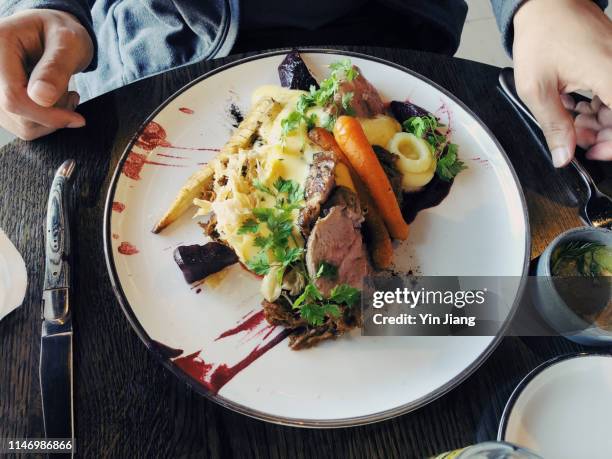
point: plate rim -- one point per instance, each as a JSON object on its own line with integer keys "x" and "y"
{"x": 260, "y": 415}
{"x": 529, "y": 377}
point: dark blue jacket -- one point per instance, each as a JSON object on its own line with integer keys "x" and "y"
{"x": 139, "y": 38}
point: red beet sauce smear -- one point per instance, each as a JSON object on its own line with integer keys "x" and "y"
{"x": 215, "y": 377}
{"x": 127, "y": 249}
{"x": 118, "y": 206}
{"x": 246, "y": 326}
{"x": 152, "y": 136}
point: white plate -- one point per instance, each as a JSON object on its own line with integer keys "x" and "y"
{"x": 481, "y": 228}
{"x": 562, "y": 409}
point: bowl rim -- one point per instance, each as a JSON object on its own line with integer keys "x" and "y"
{"x": 544, "y": 264}
{"x": 529, "y": 377}
{"x": 546, "y": 255}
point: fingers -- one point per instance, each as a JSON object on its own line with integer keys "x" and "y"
{"x": 601, "y": 151}
{"x": 585, "y": 137}
{"x": 604, "y": 116}
{"x": 26, "y": 129}
{"x": 568, "y": 102}
{"x": 62, "y": 57}
{"x": 15, "y": 101}
{"x": 545, "y": 102}
{"x": 602, "y": 148}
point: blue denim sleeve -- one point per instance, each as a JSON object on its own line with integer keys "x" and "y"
{"x": 140, "y": 38}
{"x": 504, "y": 14}
{"x": 81, "y": 9}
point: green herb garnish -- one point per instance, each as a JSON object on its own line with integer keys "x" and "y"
{"x": 279, "y": 222}
{"x": 344, "y": 68}
{"x": 315, "y": 313}
{"x": 322, "y": 97}
{"x": 347, "y": 98}
{"x": 259, "y": 264}
{"x": 448, "y": 164}
{"x": 249, "y": 226}
{"x": 345, "y": 294}
{"x": 314, "y": 308}
{"x": 426, "y": 127}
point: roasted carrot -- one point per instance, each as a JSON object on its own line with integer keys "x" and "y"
{"x": 378, "y": 240}
{"x": 352, "y": 140}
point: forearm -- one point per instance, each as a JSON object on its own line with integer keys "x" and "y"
{"x": 81, "y": 9}
{"x": 504, "y": 11}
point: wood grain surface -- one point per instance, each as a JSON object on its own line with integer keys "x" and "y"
{"x": 127, "y": 405}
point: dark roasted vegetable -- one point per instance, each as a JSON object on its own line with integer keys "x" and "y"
{"x": 404, "y": 110}
{"x": 198, "y": 261}
{"x": 388, "y": 161}
{"x": 294, "y": 73}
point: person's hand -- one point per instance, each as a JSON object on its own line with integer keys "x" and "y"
{"x": 593, "y": 125}
{"x": 39, "y": 51}
{"x": 561, "y": 46}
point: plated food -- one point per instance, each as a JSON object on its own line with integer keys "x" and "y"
{"x": 214, "y": 335}
{"x": 311, "y": 190}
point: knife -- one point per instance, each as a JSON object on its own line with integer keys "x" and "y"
{"x": 56, "y": 370}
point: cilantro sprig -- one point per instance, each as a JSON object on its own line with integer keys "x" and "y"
{"x": 426, "y": 127}
{"x": 322, "y": 97}
{"x": 279, "y": 222}
{"x": 314, "y": 308}
{"x": 449, "y": 164}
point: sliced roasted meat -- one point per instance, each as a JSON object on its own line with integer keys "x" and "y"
{"x": 365, "y": 101}
{"x": 319, "y": 185}
{"x": 344, "y": 197}
{"x": 336, "y": 240}
{"x": 198, "y": 261}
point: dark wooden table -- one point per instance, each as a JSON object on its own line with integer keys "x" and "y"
{"x": 127, "y": 405}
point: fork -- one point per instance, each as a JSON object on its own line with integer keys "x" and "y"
{"x": 597, "y": 210}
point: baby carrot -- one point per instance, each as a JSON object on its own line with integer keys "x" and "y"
{"x": 354, "y": 143}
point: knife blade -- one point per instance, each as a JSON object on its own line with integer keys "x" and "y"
{"x": 56, "y": 370}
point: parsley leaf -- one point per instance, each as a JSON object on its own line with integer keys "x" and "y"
{"x": 315, "y": 313}
{"x": 327, "y": 270}
{"x": 291, "y": 123}
{"x": 344, "y": 67}
{"x": 329, "y": 124}
{"x": 448, "y": 164}
{"x": 425, "y": 127}
{"x": 263, "y": 242}
{"x": 291, "y": 189}
{"x": 322, "y": 97}
{"x": 310, "y": 294}
{"x": 347, "y": 98}
{"x": 345, "y": 294}
{"x": 259, "y": 264}
{"x": 291, "y": 255}
{"x": 249, "y": 226}
{"x": 261, "y": 187}
{"x": 263, "y": 213}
